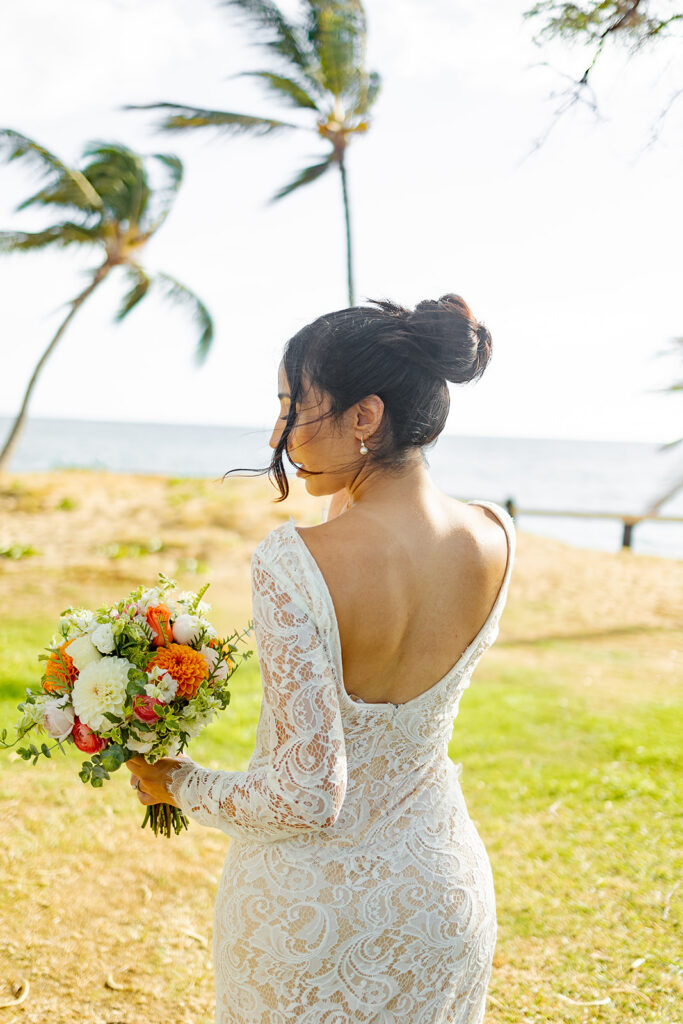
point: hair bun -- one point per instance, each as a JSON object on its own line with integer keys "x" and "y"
{"x": 448, "y": 340}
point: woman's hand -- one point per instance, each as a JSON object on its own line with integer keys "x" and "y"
{"x": 152, "y": 780}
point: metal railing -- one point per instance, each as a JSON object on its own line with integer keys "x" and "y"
{"x": 629, "y": 521}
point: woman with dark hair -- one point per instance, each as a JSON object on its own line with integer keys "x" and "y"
{"x": 356, "y": 888}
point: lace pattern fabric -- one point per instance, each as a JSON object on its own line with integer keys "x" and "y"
{"x": 356, "y": 887}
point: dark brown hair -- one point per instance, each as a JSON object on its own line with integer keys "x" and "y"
{"x": 405, "y": 357}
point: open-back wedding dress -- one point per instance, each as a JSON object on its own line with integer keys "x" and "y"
{"x": 356, "y": 887}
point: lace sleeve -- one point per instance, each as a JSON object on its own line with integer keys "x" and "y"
{"x": 302, "y": 784}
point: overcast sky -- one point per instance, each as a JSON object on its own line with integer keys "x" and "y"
{"x": 570, "y": 254}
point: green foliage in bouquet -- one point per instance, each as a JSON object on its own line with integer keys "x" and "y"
{"x": 139, "y": 678}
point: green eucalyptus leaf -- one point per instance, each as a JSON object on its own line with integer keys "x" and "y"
{"x": 113, "y": 757}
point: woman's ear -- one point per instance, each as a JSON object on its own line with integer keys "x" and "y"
{"x": 369, "y": 412}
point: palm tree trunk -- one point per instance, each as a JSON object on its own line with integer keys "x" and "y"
{"x": 19, "y": 423}
{"x": 347, "y": 217}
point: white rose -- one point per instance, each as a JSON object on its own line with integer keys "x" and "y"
{"x": 143, "y": 745}
{"x": 100, "y": 689}
{"x": 103, "y": 638}
{"x": 58, "y": 719}
{"x": 211, "y": 655}
{"x": 186, "y": 629}
{"x": 83, "y": 653}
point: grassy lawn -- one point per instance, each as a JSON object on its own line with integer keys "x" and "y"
{"x": 569, "y": 739}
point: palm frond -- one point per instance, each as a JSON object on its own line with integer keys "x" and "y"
{"x": 163, "y": 196}
{"x": 140, "y": 283}
{"x": 369, "y": 90}
{"x": 197, "y": 117}
{"x": 276, "y": 34}
{"x": 306, "y": 176}
{"x": 66, "y": 186}
{"x": 178, "y": 293}
{"x": 337, "y": 32}
{"x": 174, "y": 166}
{"x": 120, "y": 178}
{"x": 285, "y": 87}
{"x": 60, "y": 235}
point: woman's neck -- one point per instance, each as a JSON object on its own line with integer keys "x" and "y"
{"x": 379, "y": 487}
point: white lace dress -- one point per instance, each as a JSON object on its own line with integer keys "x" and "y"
{"x": 356, "y": 887}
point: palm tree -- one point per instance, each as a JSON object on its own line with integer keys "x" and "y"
{"x": 115, "y": 209}
{"x": 318, "y": 67}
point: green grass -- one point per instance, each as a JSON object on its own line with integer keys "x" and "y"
{"x": 575, "y": 792}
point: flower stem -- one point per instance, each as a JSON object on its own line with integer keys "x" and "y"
{"x": 165, "y": 819}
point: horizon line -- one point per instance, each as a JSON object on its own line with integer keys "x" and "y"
{"x": 267, "y": 429}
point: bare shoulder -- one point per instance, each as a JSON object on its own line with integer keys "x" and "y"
{"x": 356, "y": 546}
{"x": 491, "y": 536}
{"x": 358, "y": 557}
{"x": 489, "y": 548}
{"x": 338, "y": 543}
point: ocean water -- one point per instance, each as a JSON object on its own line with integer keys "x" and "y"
{"x": 571, "y": 476}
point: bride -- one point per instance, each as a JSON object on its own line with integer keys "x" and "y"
{"x": 356, "y": 887}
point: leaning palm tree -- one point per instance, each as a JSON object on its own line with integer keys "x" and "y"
{"x": 112, "y": 207}
{"x": 318, "y": 67}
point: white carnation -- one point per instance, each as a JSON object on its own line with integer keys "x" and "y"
{"x": 103, "y": 638}
{"x": 101, "y": 689}
{"x": 82, "y": 652}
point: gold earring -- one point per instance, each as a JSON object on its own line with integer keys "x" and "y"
{"x": 363, "y": 446}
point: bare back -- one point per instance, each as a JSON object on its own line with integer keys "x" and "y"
{"x": 411, "y": 587}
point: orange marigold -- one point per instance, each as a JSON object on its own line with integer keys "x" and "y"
{"x": 60, "y": 671}
{"x": 187, "y": 666}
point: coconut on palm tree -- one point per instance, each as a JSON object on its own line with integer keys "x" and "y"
{"x": 318, "y": 68}
{"x": 112, "y": 207}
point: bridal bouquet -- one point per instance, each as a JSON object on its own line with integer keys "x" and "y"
{"x": 141, "y": 677}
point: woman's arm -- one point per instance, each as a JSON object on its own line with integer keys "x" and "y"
{"x": 302, "y": 786}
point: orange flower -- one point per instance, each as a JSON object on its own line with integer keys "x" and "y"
{"x": 159, "y": 618}
{"x": 60, "y": 671}
{"x": 187, "y": 666}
